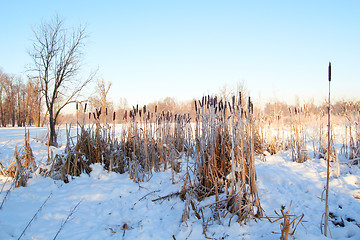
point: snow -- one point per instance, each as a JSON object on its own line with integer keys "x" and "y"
{"x": 112, "y": 206}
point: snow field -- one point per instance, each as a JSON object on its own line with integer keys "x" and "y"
{"x": 112, "y": 206}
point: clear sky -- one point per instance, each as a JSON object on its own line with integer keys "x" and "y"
{"x": 153, "y": 49}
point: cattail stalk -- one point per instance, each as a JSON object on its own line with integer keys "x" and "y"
{"x": 328, "y": 162}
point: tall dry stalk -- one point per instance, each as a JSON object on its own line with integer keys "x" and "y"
{"x": 328, "y": 161}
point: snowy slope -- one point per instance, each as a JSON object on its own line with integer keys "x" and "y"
{"x": 106, "y": 205}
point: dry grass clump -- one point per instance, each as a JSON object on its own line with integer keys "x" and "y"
{"x": 224, "y": 158}
{"x": 351, "y": 145}
{"x": 94, "y": 145}
{"x": 23, "y": 163}
{"x": 298, "y": 139}
{"x": 148, "y": 142}
{"x": 271, "y": 133}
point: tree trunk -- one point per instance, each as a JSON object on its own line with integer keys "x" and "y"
{"x": 13, "y": 118}
{"x": 52, "y": 132}
{"x": 39, "y": 113}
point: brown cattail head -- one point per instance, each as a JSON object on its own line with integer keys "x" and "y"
{"x": 155, "y": 108}
{"x": 85, "y": 107}
{"x": 125, "y": 115}
{"x": 195, "y": 106}
{"x": 144, "y": 109}
{"x": 240, "y": 103}
{"x": 329, "y": 71}
{"x": 89, "y": 115}
{"x": 233, "y": 102}
{"x": 77, "y": 106}
{"x": 114, "y": 116}
{"x": 106, "y": 113}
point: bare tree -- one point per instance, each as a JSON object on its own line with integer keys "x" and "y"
{"x": 57, "y": 54}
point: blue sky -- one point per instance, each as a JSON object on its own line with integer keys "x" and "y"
{"x": 153, "y": 49}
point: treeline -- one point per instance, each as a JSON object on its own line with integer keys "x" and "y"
{"x": 338, "y": 108}
{"x": 20, "y": 103}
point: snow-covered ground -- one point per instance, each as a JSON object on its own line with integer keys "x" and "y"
{"x": 106, "y": 205}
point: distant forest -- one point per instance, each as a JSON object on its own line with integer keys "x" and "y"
{"x": 21, "y": 104}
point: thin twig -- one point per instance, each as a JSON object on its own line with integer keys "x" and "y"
{"x": 146, "y": 196}
{"x": 7, "y": 178}
{"x": 6, "y": 195}
{"x": 70, "y": 214}
{"x": 167, "y": 196}
{"x": 35, "y": 215}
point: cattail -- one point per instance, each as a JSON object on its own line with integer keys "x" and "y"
{"x": 233, "y": 102}
{"x": 202, "y": 102}
{"x": 140, "y": 113}
{"x": 131, "y": 114}
{"x": 240, "y": 100}
{"x": 144, "y": 109}
{"x": 155, "y": 108}
{"x": 195, "y": 106}
{"x": 125, "y": 115}
{"x": 114, "y": 116}
{"x": 94, "y": 115}
{"x": 77, "y": 107}
{"x": 137, "y": 108}
{"x": 85, "y": 107}
{"x": 106, "y": 113}
{"x": 221, "y": 105}
{"x": 329, "y": 71}
{"x": 89, "y": 115}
